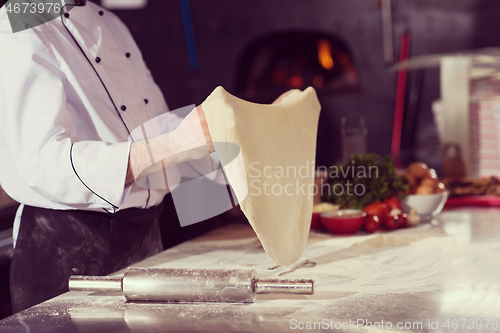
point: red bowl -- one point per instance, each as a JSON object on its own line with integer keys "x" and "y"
{"x": 316, "y": 221}
{"x": 343, "y": 221}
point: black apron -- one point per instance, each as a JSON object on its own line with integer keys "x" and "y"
{"x": 54, "y": 244}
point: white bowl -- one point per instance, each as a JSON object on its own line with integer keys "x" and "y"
{"x": 426, "y": 205}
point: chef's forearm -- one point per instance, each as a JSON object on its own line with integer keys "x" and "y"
{"x": 149, "y": 156}
{"x": 190, "y": 140}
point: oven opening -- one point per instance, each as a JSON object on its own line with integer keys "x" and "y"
{"x": 275, "y": 63}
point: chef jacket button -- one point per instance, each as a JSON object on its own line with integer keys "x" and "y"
{"x": 146, "y": 101}
{"x": 123, "y": 108}
{"x": 98, "y": 60}
{"x": 127, "y": 55}
{"x": 75, "y": 270}
{"x": 66, "y": 15}
{"x": 101, "y": 13}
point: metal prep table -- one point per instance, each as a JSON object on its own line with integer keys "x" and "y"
{"x": 444, "y": 274}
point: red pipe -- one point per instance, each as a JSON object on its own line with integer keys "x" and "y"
{"x": 397, "y": 127}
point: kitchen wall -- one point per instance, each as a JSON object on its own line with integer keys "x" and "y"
{"x": 224, "y": 28}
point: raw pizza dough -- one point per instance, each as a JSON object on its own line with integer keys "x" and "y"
{"x": 273, "y": 177}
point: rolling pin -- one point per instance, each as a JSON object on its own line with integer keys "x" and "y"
{"x": 190, "y": 285}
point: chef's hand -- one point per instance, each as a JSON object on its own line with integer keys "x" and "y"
{"x": 283, "y": 96}
{"x": 190, "y": 140}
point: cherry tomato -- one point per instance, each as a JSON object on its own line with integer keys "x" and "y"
{"x": 392, "y": 202}
{"x": 403, "y": 220}
{"x": 377, "y": 208}
{"x": 395, "y": 221}
{"x": 372, "y": 223}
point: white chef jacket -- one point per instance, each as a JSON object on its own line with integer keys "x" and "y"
{"x": 63, "y": 144}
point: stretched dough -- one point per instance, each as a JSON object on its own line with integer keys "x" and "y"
{"x": 278, "y": 148}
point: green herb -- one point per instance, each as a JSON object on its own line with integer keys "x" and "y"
{"x": 363, "y": 180}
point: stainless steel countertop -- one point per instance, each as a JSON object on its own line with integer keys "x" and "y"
{"x": 444, "y": 274}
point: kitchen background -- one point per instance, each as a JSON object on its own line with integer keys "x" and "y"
{"x": 227, "y": 32}
{"x": 261, "y": 48}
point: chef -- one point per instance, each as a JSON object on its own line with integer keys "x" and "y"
{"x": 71, "y": 92}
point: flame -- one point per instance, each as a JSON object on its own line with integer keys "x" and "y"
{"x": 325, "y": 54}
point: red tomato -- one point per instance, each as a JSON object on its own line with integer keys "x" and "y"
{"x": 377, "y": 208}
{"x": 403, "y": 220}
{"x": 372, "y": 223}
{"x": 395, "y": 221}
{"x": 393, "y": 203}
